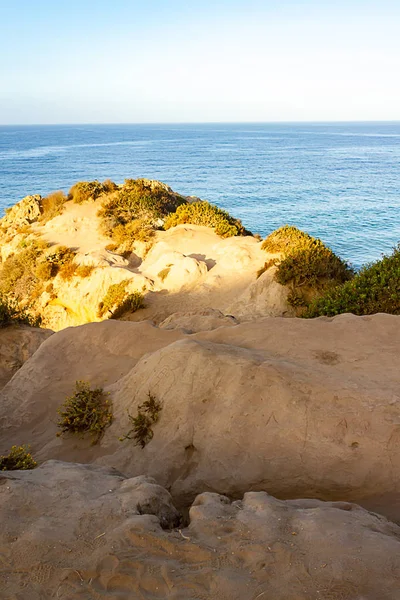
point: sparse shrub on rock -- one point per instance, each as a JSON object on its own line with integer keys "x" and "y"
{"x": 117, "y": 301}
{"x": 148, "y": 414}
{"x": 375, "y": 289}
{"x": 208, "y": 215}
{"x": 86, "y": 411}
{"x": 18, "y": 459}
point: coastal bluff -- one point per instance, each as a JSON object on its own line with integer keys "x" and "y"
{"x": 237, "y": 450}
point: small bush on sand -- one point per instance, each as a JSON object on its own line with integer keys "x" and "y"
{"x": 86, "y": 411}
{"x": 148, "y": 414}
{"x": 209, "y": 215}
{"x": 52, "y": 206}
{"x": 44, "y": 271}
{"x": 87, "y": 190}
{"x": 61, "y": 255}
{"x": 117, "y": 301}
{"x": 133, "y": 211}
{"x": 68, "y": 270}
{"x": 84, "y": 270}
{"x": 18, "y": 459}
{"x": 375, "y": 289}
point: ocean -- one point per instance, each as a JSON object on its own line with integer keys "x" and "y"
{"x": 339, "y": 182}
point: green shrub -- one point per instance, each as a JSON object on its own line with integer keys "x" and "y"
{"x": 86, "y": 411}
{"x": 148, "y": 414}
{"x": 117, "y": 301}
{"x": 132, "y": 212}
{"x": 87, "y": 190}
{"x": 376, "y": 288}
{"x": 12, "y": 314}
{"x": 208, "y": 215}
{"x": 52, "y": 206}
{"x": 18, "y": 459}
{"x": 306, "y": 263}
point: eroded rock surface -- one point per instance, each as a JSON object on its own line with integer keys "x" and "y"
{"x": 73, "y": 531}
{"x": 294, "y": 407}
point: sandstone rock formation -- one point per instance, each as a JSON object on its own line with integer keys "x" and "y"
{"x": 289, "y": 406}
{"x": 17, "y": 344}
{"x": 188, "y": 268}
{"x": 73, "y": 531}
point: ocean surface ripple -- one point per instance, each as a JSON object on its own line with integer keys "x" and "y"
{"x": 339, "y": 182}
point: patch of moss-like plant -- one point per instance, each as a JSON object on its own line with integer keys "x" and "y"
{"x": 86, "y": 411}
{"x": 117, "y": 301}
{"x": 18, "y": 459}
{"x": 375, "y": 289}
{"x": 147, "y": 415}
{"x": 203, "y": 213}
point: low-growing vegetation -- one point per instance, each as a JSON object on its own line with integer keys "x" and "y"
{"x": 208, "y": 215}
{"x": 147, "y": 415}
{"x": 307, "y": 266}
{"x": 11, "y": 313}
{"x": 118, "y": 301}
{"x": 375, "y": 289}
{"x": 86, "y": 411}
{"x": 17, "y": 274}
{"x": 83, "y": 191}
{"x": 163, "y": 274}
{"x": 267, "y": 265}
{"x": 84, "y": 270}
{"x": 52, "y": 206}
{"x": 18, "y": 459}
{"x": 135, "y": 210}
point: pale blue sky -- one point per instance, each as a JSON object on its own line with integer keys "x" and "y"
{"x": 124, "y": 61}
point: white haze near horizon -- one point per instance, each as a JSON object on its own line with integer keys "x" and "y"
{"x": 167, "y": 62}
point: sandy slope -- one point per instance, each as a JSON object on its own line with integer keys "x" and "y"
{"x": 203, "y": 271}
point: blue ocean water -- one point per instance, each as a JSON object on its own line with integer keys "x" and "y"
{"x": 339, "y": 182}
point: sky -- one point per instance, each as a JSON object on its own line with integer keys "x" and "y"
{"x": 154, "y": 61}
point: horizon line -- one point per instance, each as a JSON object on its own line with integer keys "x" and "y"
{"x": 288, "y": 122}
